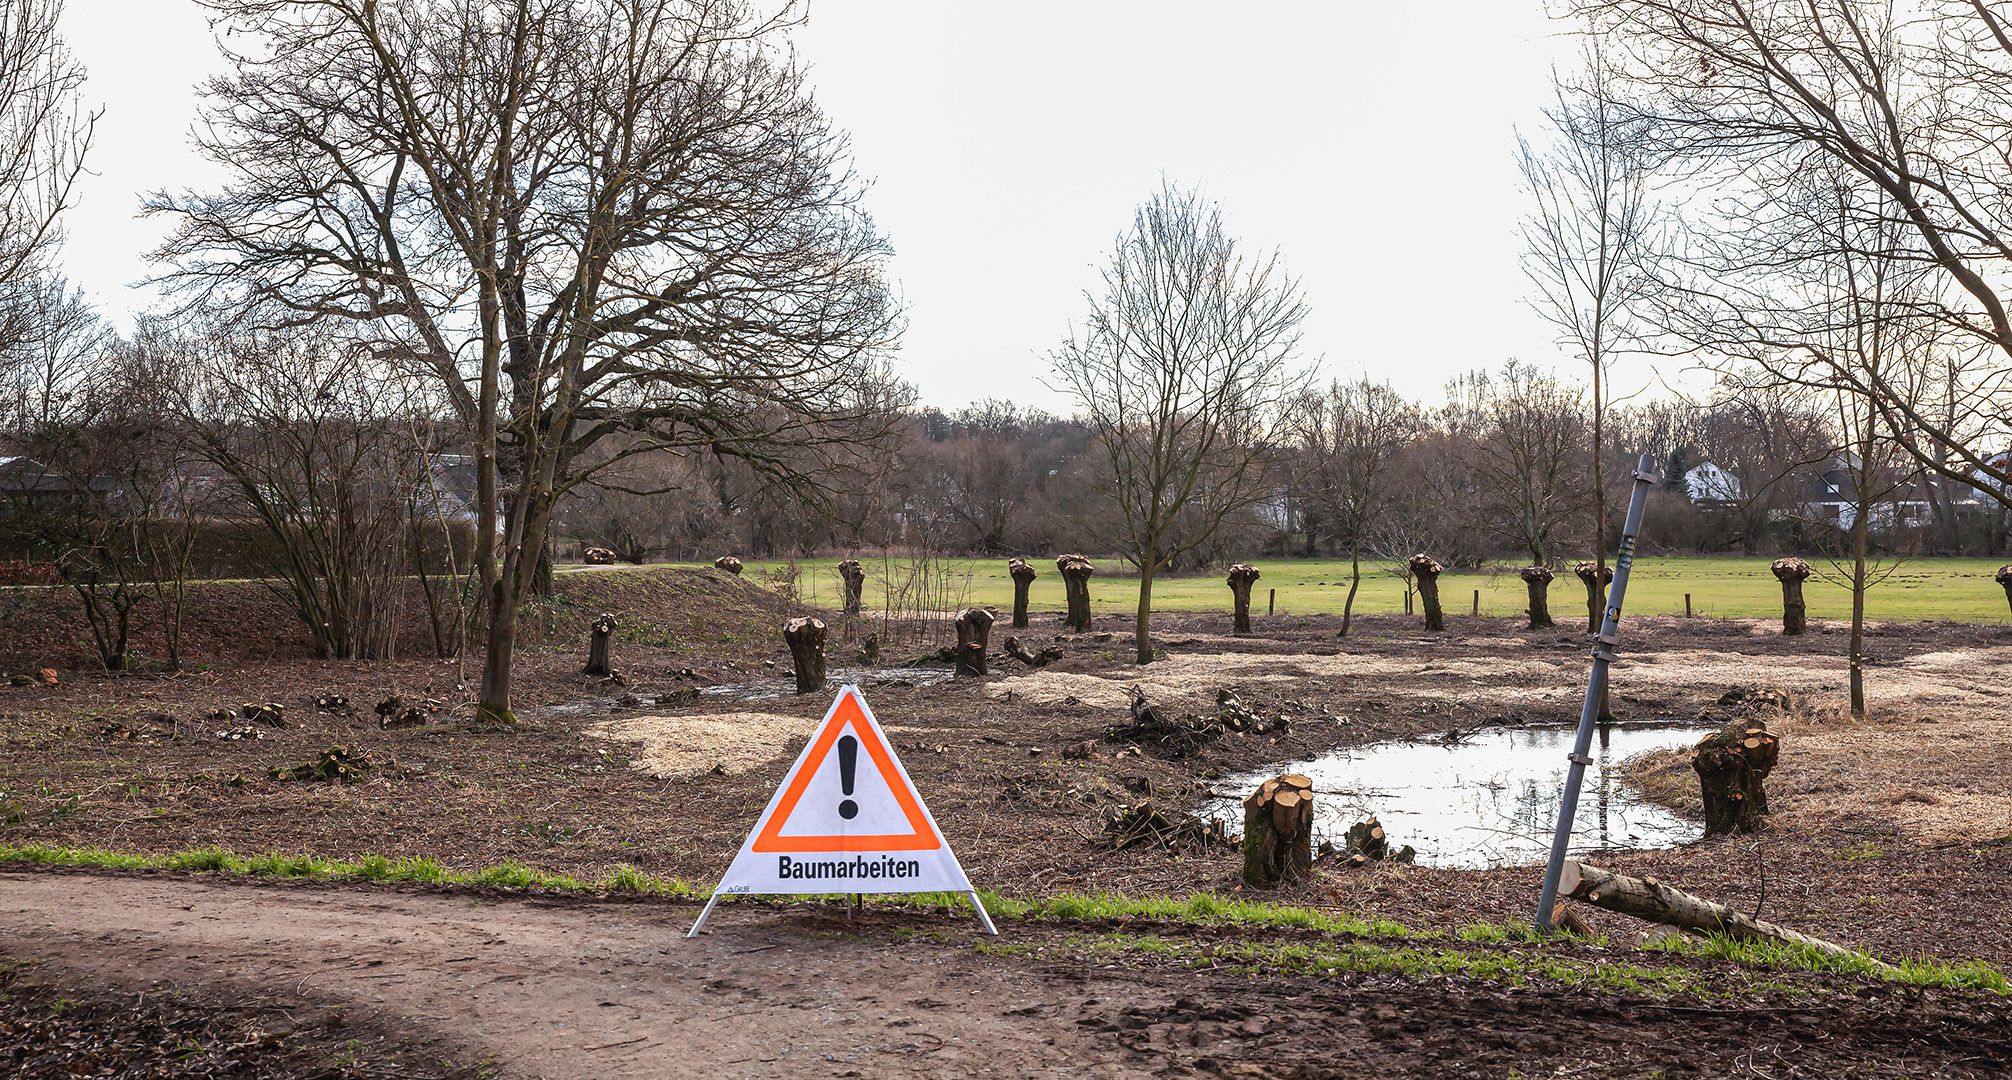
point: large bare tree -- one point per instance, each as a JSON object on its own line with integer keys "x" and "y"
{"x": 581, "y": 218}
{"x": 1355, "y": 439}
{"x": 44, "y": 134}
{"x": 1184, "y": 368}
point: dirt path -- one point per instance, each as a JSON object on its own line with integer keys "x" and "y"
{"x": 583, "y": 990}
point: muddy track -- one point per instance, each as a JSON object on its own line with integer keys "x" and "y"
{"x": 587, "y": 989}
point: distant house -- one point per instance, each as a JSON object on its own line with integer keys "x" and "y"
{"x": 1709, "y": 485}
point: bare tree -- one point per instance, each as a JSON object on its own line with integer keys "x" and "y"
{"x": 44, "y": 135}
{"x": 1589, "y": 242}
{"x": 1355, "y": 440}
{"x": 1184, "y": 368}
{"x": 581, "y": 219}
{"x": 1529, "y": 450}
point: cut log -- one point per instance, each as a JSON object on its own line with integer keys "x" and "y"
{"x": 974, "y": 629}
{"x": 1023, "y": 579}
{"x": 1242, "y": 577}
{"x": 1048, "y": 654}
{"x": 598, "y": 661}
{"x": 597, "y": 556}
{"x": 1278, "y": 832}
{"x": 1596, "y": 579}
{"x": 806, "y": 650}
{"x": 1076, "y": 571}
{"x": 1731, "y": 766}
{"x": 1427, "y": 570}
{"x": 1792, "y": 572}
{"x": 855, "y": 584}
{"x": 728, "y": 563}
{"x": 1537, "y": 579}
{"x": 1649, "y": 899}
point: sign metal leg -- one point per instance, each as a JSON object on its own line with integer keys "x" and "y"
{"x": 703, "y": 916}
{"x": 983, "y": 917}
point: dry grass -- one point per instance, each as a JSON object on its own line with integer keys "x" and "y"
{"x": 733, "y": 742}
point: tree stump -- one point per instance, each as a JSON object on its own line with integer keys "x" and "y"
{"x": 974, "y": 628}
{"x": 805, "y": 637}
{"x": 597, "y": 556}
{"x": 855, "y": 584}
{"x": 1596, "y": 579}
{"x": 1792, "y": 572}
{"x": 1023, "y": 579}
{"x": 1278, "y": 832}
{"x": 2005, "y": 579}
{"x": 1242, "y": 576}
{"x": 1076, "y": 571}
{"x": 1538, "y": 580}
{"x": 598, "y": 662}
{"x": 1427, "y": 570}
{"x": 728, "y": 563}
{"x": 1731, "y": 766}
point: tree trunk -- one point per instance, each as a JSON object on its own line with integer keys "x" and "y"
{"x": 1731, "y": 766}
{"x": 598, "y": 661}
{"x": 1647, "y": 898}
{"x": 1023, "y": 579}
{"x": 1354, "y": 583}
{"x": 855, "y": 584}
{"x": 1278, "y": 832}
{"x": 1792, "y": 572}
{"x": 1076, "y": 571}
{"x": 2005, "y": 580}
{"x": 500, "y": 648}
{"x": 728, "y": 563}
{"x": 1858, "y": 617}
{"x": 974, "y": 630}
{"x": 1242, "y": 577}
{"x": 1538, "y": 580}
{"x": 1596, "y": 578}
{"x": 1142, "y": 633}
{"x": 1427, "y": 570}
{"x": 805, "y": 637}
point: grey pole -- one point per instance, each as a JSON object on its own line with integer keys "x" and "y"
{"x": 1596, "y": 686}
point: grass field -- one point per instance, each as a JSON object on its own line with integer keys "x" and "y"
{"x": 1960, "y": 590}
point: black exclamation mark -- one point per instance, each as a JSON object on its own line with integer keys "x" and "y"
{"x": 848, "y": 760}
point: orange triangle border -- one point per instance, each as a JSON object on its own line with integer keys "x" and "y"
{"x": 848, "y": 709}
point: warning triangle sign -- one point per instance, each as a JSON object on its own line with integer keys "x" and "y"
{"x": 846, "y": 819}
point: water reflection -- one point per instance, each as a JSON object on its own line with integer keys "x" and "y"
{"x": 1488, "y": 800}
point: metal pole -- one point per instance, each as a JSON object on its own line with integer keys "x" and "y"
{"x": 1596, "y": 686}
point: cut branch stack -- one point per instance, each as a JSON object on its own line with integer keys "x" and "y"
{"x": 1278, "y": 832}
{"x": 1154, "y": 726}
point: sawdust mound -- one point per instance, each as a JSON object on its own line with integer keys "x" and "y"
{"x": 1190, "y": 682}
{"x": 685, "y": 745}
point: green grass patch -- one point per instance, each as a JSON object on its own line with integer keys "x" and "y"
{"x": 1918, "y": 971}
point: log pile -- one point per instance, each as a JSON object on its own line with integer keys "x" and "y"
{"x": 1596, "y": 578}
{"x": 1427, "y": 570}
{"x": 598, "y": 660}
{"x": 854, "y": 577}
{"x": 337, "y": 764}
{"x": 728, "y": 563}
{"x": 1153, "y": 726}
{"x": 1242, "y": 577}
{"x": 1278, "y": 832}
{"x": 805, "y": 637}
{"x": 1367, "y": 843}
{"x": 597, "y": 556}
{"x": 1792, "y": 572}
{"x": 1076, "y": 571}
{"x": 1145, "y": 823}
{"x": 974, "y": 630}
{"x": 1023, "y": 579}
{"x": 1048, "y": 654}
{"x": 1537, "y": 579}
{"x": 1732, "y": 765}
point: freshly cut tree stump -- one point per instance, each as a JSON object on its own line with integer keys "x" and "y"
{"x": 598, "y": 661}
{"x": 1427, "y": 570}
{"x": 855, "y": 584}
{"x": 1278, "y": 832}
{"x": 1048, "y": 654}
{"x": 597, "y": 556}
{"x": 1647, "y": 898}
{"x": 728, "y": 563}
{"x": 1023, "y": 579}
{"x": 974, "y": 629}
{"x": 1242, "y": 577}
{"x": 869, "y": 650}
{"x": 1366, "y": 842}
{"x": 1538, "y": 580}
{"x": 1792, "y": 572}
{"x": 1596, "y": 579}
{"x": 1731, "y": 767}
{"x": 806, "y": 650}
{"x": 1076, "y": 571}
{"x": 2005, "y": 579}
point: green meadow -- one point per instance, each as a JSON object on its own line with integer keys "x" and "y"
{"x": 1960, "y": 590}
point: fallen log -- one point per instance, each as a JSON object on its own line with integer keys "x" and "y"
{"x": 1048, "y": 654}
{"x": 1653, "y": 901}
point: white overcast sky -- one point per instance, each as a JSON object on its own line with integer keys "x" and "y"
{"x": 1371, "y": 143}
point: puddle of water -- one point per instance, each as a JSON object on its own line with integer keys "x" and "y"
{"x": 1489, "y": 800}
{"x": 867, "y": 678}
